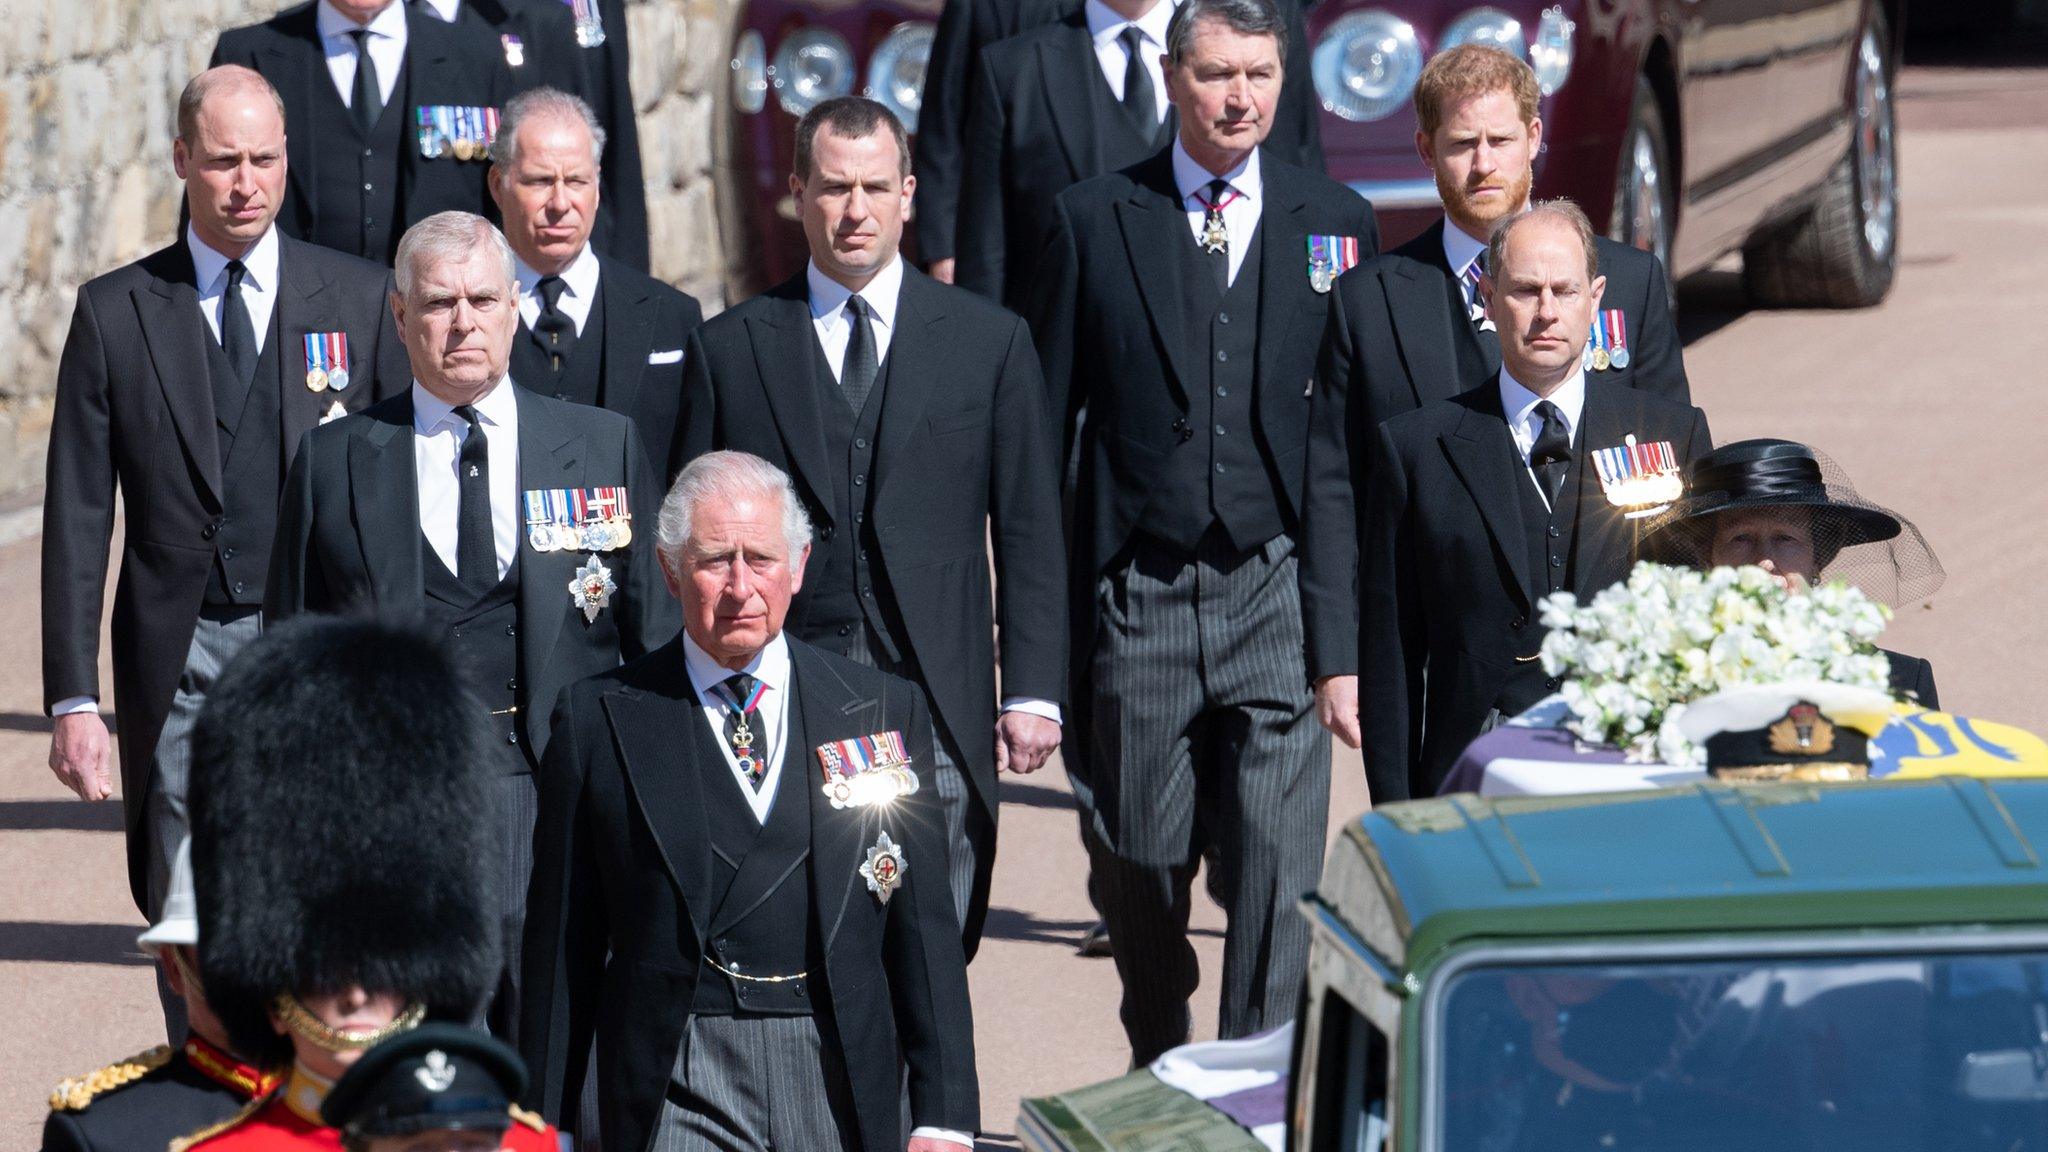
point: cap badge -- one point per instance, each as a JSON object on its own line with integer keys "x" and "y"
{"x": 437, "y": 1074}
{"x": 1803, "y": 732}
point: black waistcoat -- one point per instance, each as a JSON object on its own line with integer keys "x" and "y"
{"x": 575, "y": 375}
{"x": 251, "y": 444}
{"x": 844, "y": 585}
{"x": 1548, "y": 535}
{"x": 485, "y": 634}
{"x": 761, "y": 922}
{"x": 1220, "y": 473}
{"x": 355, "y": 189}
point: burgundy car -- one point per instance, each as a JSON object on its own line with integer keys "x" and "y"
{"x": 1689, "y": 127}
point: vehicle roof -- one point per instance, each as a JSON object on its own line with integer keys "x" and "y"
{"x": 1413, "y": 879}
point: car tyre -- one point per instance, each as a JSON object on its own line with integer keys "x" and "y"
{"x": 1643, "y": 192}
{"x": 1844, "y": 251}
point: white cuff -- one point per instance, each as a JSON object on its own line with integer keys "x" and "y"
{"x": 70, "y": 704}
{"x": 1034, "y": 706}
{"x": 947, "y": 1134}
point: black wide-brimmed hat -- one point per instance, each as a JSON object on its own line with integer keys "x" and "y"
{"x": 1855, "y": 540}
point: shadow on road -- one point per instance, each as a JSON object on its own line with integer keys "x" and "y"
{"x": 1708, "y": 302}
{"x": 35, "y": 942}
{"x": 1035, "y": 796}
{"x": 1017, "y": 924}
{"x": 60, "y": 816}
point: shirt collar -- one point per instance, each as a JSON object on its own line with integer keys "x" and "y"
{"x": 208, "y": 266}
{"x": 770, "y": 666}
{"x": 329, "y": 21}
{"x": 1519, "y": 402}
{"x": 499, "y": 406}
{"x": 1460, "y": 249}
{"x": 580, "y": 277}
{"x": 1105, "y": 25}
{"x": 829, "y": 295}
{"x": 1191, "y": 177}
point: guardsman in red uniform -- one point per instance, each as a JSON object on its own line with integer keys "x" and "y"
{"x": 344, "y": 863}
{"x": 147, "y": 1100}
{"x": 444, "y": 1084}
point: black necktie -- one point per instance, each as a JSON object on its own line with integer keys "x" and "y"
{"x": 741, "y": 696}
{"x": 1551, "y": 455}
{"x": 553, "y": 328}
{"x": 857, "y": 375}
{"x": 1140, "y": 103}
{"x": 476, "y": 548}
{"x": 1216, "y": 235}
{"x": 367, "y": 103}
{"x": 238, "y": 340}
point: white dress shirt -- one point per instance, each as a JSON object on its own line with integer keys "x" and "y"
{"x": 259, "y": 283}
{"x": 579, "y": 289}
{"x": 1520, "y": 405}
{"x": 1106, "y": 28}
{"x": 1460, "y": 250}
{"x": 771, "y": 667}
{"x": 1240, "y": 214}
{"x": 437, "y": 436}
{"x": 387, "y": 47}
{"x": 835, "y": 326}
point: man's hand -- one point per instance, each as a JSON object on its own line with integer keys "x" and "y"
{"x": 1337, "y": 707}
{"x": 79, "y": 755}
{"x": 941, "y": 270}
{"x": 932, "y": 1144}
{"x": 1023, "y": 741}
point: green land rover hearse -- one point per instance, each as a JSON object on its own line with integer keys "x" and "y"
{"x": 1765, "y": 968}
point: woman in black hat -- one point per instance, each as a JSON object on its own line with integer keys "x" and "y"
{"x": 1791, "y": 511}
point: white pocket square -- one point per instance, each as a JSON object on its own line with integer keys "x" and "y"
{"x": 672, "y": 356}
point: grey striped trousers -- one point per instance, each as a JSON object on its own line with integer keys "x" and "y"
{"x": 756, "y": 1083}
{"x": 1203, "y": 732}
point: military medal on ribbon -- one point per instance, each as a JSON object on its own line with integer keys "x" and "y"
{"x": 515, "y": 50}
{"x": 326, "y": 361}
{"x": 883, "y": 869}
{"x": 866, "y": 770}
{"x": 1607, "y": 345}
{"x": 1328, "y": 258}
{"x": 591, "y": 588}
{"x": 589, "y": 23}
{"x": 1640, "y": 479}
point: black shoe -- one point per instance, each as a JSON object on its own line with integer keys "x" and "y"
{"x": 1096, "y": 942}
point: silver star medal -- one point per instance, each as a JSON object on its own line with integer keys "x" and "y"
{"x": 884, "y": 868}
{"x": 592, "y": 588}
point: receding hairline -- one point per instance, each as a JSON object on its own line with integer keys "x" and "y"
{"x": 204, "y": 93}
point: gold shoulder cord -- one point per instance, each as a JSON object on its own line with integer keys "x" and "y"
{"x": 529, "y": 1119}
{"x": 74, "y": 1094}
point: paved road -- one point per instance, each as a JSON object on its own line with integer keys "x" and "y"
{"x": 1933, "y": 402}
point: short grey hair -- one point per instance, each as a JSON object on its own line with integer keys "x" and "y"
{"x": 1244, "y": 17}
{"x": 1559, "y": 209}
{"x": 224, "y": 80}
{"x": 727, "y": 476}
{"x": 448, "y": 237}
{"x": 543, "y": 103}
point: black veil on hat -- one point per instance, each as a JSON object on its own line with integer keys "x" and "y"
{"x": 1855, "y": 540}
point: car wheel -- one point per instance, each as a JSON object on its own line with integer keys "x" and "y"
{"x": 1844, "y": 252}
{"x": 1642, "y": 190}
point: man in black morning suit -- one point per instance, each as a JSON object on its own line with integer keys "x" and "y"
{"x": 1483, "y": 504}
{"x": 1409, "y": 328}
{"x": 185, "y": 382}
{"x": 1177, "y": 308}
{"x": 423, "y": 505}
{"x": 912, "y": 415}
{"x": 758, "y": 964}
{"x": 360, "y": 173}
{"x": 591, "y": 328}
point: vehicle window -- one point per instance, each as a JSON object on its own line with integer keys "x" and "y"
{"x": 1931, "y": 1054}
{"x": 1351, "y": 1080}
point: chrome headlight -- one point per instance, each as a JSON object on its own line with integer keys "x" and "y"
{"x": 812, "y": 66}
{"x": 1366, "y": 65}
{"x": 1489, "y": 26}
{"x": 1551, "y": 54}
{"x": 749, "y": 73}
{"x": 896, "y": 70}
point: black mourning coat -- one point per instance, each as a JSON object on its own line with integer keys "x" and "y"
{"x": 349, "y": 536}
{"x": 1398, "y": 329}
{"x": 135, "y": 410}
{"x": 619, "y": 912}
{"x": 1448, "y": 603}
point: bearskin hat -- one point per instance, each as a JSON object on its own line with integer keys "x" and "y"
{"x": 341, "y": 831}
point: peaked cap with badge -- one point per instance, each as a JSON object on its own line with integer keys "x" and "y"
{"x": 435, "y": 1078}
{"x": 337, "y": 838}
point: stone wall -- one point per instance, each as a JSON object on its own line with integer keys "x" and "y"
{"x": 88, "y": 93}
